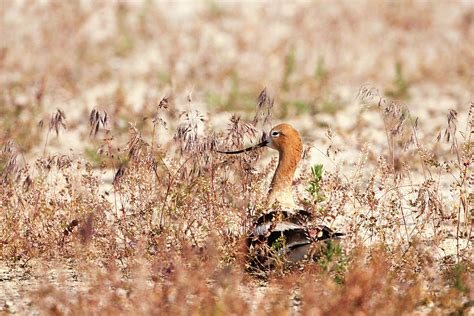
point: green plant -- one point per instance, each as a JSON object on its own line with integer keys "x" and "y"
{"x": 93, "y": 156}
{"x": 279, "y": 243}
{"x": 400, "y": 84}
{"x": 314, "y": 187}
{"x": 235, "y": 99}
{"x": 457, "y": 278}
{"x": 330, "y": 106}
{"x": 290, "y": 63}
{"x": 333, "y": 260}
{"x": 301, "y": 107}
{"x": 124, "y": 41}
{"x": 321, "y": 72}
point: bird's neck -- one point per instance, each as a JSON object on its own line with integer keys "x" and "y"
{"x": 281, "y": 186}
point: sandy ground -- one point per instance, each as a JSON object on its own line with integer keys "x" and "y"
{"x": 19, "y": 283}
{"x": 352, "y": 61}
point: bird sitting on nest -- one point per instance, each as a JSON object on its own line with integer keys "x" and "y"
{"x": 284, "y": 233}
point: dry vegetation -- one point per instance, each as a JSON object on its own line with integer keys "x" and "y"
{"x": 113, "y": 200}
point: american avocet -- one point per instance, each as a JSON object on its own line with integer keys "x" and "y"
{"x": 284, "y": 228}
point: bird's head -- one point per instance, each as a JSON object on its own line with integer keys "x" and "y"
{"x": 283, "y": 137}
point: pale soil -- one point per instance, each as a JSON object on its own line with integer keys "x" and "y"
{"x": 367, "y": 57}
{"x": 19, "y": 284}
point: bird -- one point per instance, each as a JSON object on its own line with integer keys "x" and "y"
{"x": 284, "y": 232}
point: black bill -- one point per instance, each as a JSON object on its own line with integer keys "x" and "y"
{"x": 262, "y": 144}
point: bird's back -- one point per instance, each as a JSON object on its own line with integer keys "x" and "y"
{"x": 284, "y": 236}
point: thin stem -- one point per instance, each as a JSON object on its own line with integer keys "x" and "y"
{"x": 46, "y": 142}
{"x": 417, "y": 143}
{"x": 170, "y": 183}
{"x": 153, "y": 138}
{"x": 458, "y": 228}
{"x": 403, "y": 217}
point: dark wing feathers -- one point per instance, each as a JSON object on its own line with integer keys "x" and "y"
{"x": 298, "y": 236}
{"x": 299, "y": 217}
{"x": 322, "y": 232}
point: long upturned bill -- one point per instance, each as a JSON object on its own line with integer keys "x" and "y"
{"x": 262, "y": 144}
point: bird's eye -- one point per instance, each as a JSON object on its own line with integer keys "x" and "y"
{"x": 275, "y": 134}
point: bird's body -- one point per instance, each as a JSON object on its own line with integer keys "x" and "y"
{"x": 283, "y": 232}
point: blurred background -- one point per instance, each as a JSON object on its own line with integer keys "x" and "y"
{"x": 215, "y": 57}
{"x": 379, "y": 90}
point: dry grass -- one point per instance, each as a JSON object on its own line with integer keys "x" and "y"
{"x": 131, "y": 210}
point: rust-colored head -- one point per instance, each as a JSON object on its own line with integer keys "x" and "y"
{"x": 286, "y": 139}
